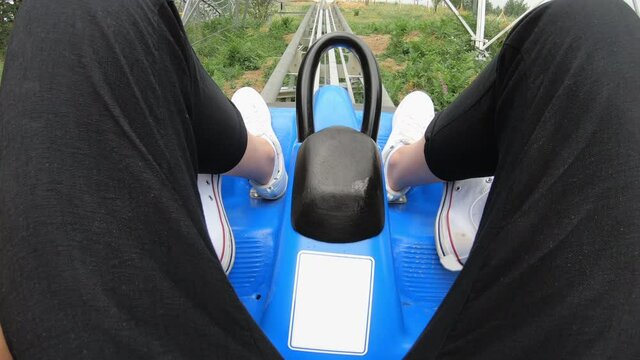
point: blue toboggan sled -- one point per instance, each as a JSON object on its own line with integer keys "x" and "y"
{"x": 330, "y": 270}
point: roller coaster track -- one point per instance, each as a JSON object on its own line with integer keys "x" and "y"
{"x": 339, "y": 67}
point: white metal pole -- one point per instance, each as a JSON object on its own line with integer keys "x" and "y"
{"x": 636, "y": 7}
{"x": 464, "y": 23}
{"x": 480, "y": 23}
{"x": 505, "y": 30}
{"x": 189, "y": 8}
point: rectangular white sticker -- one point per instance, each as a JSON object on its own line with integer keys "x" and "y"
{"x": 331, "y": 308}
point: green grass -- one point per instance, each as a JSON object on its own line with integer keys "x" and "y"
{"x": 236, "y": 55}
{"x": 297, "y": 6}
{"x": 229, "y": 51}
{"x": 428, "y": 51}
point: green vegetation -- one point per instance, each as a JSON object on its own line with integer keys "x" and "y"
{"x": 421, "y": 49}
{"x": 235, "y": 53}
{"x": 299, "y": 6}
{"x": 417, "y": 48}
{"x": 237, "y": 56}
{"x": 261, "y": 10}
{"x": 469, "y": 6}
{"x": 515, "y": 7}
{"x": 8, "y": 10}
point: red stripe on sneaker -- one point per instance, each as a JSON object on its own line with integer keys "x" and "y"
{"x": 439, "y": 219}
{"x": 222, "y": 222}
{"x": 228, "y": 231}
{"x": 449, "y": 227}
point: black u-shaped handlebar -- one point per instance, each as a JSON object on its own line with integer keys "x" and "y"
{"x": 306, "y": 76}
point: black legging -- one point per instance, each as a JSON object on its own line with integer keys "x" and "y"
{"x": 106, "y": 117}
{"x": 554, "y": 270}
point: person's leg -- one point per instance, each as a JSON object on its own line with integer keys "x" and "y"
{"x": 408, "y": 167}
{"x": 104, "y": 250}
{"x": 404, "y": 167}
{"x": 231, "y": 136}
{"x": 257, "y": 162}
{"x": 459, "y": 142}
{"x": 4, "y": 349}
{"x": 462, "y": 202}
{"x": 553, "y": 272}
{"x": 272, "y": 183}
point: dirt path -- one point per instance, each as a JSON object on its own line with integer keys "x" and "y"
{"x": 377, "y": 43}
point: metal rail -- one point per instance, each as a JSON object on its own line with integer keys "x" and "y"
{"x": 274, "y": 84}
{"x": 345, "y": 71}
{"x": 387, "y": 103}
{"x": 338, "y": 67}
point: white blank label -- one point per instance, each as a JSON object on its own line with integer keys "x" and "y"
{"x": 331, "y": 307}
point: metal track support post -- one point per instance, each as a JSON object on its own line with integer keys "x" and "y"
{"x": 480, "y": 23}
{"x": 457, "y": 14}
{"x": 510, "y": 26}
{"x": 189, "y": 9}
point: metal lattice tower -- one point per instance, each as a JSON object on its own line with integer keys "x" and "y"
{"x": 200, "y": 10}
{"x": 478, "y": 36}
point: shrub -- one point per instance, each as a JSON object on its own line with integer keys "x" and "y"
{"x": 240, "y": 54}
{"x": 282, "y": 26}
{"x": 261, "y": 10}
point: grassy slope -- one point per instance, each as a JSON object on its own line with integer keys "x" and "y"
{"x": 426, "y": 50}
{"x": 237, "y": 56}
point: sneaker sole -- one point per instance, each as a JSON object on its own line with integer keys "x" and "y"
{"x": 220, "y": 234}
{"x": 445, "y": 247}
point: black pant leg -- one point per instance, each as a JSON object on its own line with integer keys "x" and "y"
{"x": 104, "y": 252}
{"x": 460, "y": 141}
{"x": 554, "y": 273}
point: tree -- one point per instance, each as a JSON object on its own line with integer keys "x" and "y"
{"x": 463, "y": 4}
{"x": 262, "y": 9}
{"x": 515, "y": 7}
{"x": 8, "y": 11}
{"x": 489, "y": 8}
{"x": 435, "y": 4}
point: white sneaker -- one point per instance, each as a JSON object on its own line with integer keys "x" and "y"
{"x": 410, "y": 121}
{"x": 210, "y": 188}
{"x": 458, "y": 218}
{"x": 257, "y": 119}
